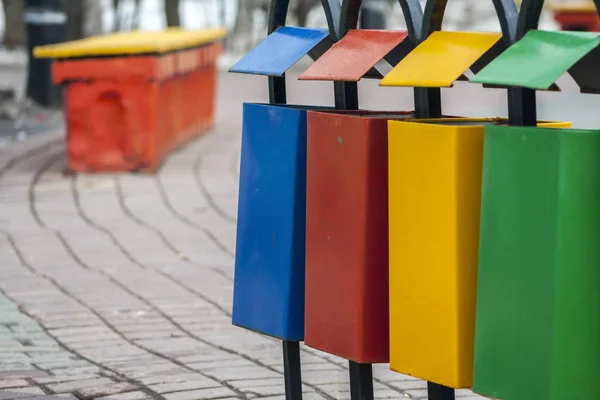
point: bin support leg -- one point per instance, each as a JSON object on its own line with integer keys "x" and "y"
{"x": 291, "y": 370}
{"x": 361, "y": 381}
{"x": 439, "y": 392}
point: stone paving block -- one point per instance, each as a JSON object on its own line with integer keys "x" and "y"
{"x": 417, "y": 393}
{"x": 77, "y": 371}
{"x": 9, "y": 367}
{"x": 201, "y": 394}
{"x": 169, "y": 378}
{"x": 67, "y": 363}
{"x": 79, "y": 384}
{"x": 146, "y": 371}
{"x": 28, "y": 390}
{"x": 104, "y": 390}
{"x": 406, "y": 382}
{"x": 326, "y": 377}
{"x": 263, "y": 391}
{"x": 14, "y": 383}
{"x": 12, "y": 395}
{"x": 209, "y": 365}
{"x": 254, "y": 372}
{"x": 305, "y": 396}
{"x": 26, "y": 374}
{"x": 136, "y": 395}
{"x": 184, "y": 386}
{"x": 45, "y": 380}
{"x": 208, "y": 356}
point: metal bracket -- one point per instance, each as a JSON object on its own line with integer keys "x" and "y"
{"x": 278, "y": 11}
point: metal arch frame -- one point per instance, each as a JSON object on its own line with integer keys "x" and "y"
{"x": 413, "y": 13}
{"x": 506, "y": 10}
{"x": 278, "y": 10}
{"x": 522, "y": 107}
{"x": 427, "y": 101}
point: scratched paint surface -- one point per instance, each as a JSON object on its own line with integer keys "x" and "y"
{"x": 434, "y": 195}
{"x": 279, "y": 51}
{"x": 268, "y": 294}
{"x": 539, "y": 59}
{"x": 441, "y": 59}
{"x": 354, "y": 55}
{"x": 347, "y": 235}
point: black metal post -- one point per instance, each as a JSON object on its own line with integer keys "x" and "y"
{"x": 522, "y": 104}
{"x": 439, "y": 392}
{"x": 277, "y": 90}
{"x": 361, "y": 381}
{"x": 522, "y": 107}
{"x": 291, "y": 370}
{"x": 46, "y": 23}
{"x": 346, "y": 98}
{"x": 346, "y": 95}
{"x": 428, "y": 102}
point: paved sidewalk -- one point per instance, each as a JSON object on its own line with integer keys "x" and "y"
{"x": 120, "y": 286}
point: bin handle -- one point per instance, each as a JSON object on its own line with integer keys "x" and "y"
{"x": 506, "y": 10}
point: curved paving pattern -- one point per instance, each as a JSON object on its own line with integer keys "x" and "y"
{"x": 119, "y": 286}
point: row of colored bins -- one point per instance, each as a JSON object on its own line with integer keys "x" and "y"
{"x": 129, "y": 108}
{"x": 330, "y": 214}
{"x": 489, "y": 277}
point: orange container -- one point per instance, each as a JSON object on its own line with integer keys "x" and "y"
{"x": 584, "y": 21}
{"x": 126, "y": 111}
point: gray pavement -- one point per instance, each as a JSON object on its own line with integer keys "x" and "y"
{"x": 28, "y": 121}
{"x": 120, "y": 286}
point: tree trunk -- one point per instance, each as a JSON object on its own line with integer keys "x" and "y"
{"x": 116, "y": 16}
{"x": 172, "y": 12}
{"x": 74, "y": 10}
{"x": 136, "y": 17}
{"x": 14, "y": 27}
{"x": 92, "y": 18}
{"x": 302, "y": 9}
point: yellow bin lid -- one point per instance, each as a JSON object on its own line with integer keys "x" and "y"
{"x": 134, "y": 42}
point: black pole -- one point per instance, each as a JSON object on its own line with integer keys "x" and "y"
{"x": 346, "y": 98}
{"x": 277, "y": 16}
{"x": 439, "y": 392}
{"x": 346, "y": 93}
{"x": 46, "y": 23}
{"x": 361, "y": 381}
{"x": 292, "y": 370}
{"x": 428, "y": 101}
{"x": 522, "y": 107}
{"x": 522, "y": 102}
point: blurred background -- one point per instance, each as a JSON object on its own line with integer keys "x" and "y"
{"x": 28, "y": 103}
